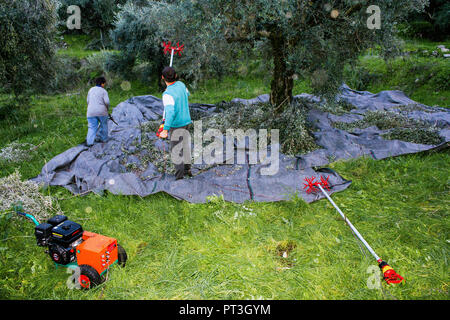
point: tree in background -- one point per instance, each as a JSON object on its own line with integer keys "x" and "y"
{"x": 295, "y": 38}
{"x": 27, "y": 46}
{"x": 137, "y": 36}
{"x": 440, "y": 15}
{"x": 310, "y": 39}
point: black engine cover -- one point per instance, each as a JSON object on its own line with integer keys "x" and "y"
{"x": 65, "y": 233}
{"x": 60, "y": 235}
{"x": 43, "y": 232}
{"x": 60, "y": 254}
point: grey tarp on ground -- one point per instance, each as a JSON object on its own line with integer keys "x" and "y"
{"x": 100, "y": 168}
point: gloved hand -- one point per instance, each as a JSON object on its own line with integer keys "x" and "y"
{"x": 164, "y": 134}
{"x": 161, "y": 130}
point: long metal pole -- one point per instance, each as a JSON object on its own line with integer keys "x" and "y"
{"x": 171, "y": 57}
{"x": 350, "y": 224}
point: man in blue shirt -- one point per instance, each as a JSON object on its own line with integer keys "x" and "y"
{"x": 176, "y": 121}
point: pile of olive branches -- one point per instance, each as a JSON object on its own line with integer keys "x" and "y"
{"x": 15, "y": 191}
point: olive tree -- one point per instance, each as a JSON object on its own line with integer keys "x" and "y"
{"x": 307, "y": 39}
{"x": 312, "y": 39}
{"x": 27, "y": 46}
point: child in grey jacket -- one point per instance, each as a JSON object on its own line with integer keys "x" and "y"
{"x": 97, "y": 113}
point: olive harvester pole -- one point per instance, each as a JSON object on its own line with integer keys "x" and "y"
{"x": 390, "y": 276}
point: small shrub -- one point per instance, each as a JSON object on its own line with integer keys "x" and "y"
{"x": 67, "y": 75}
{"x": 97, "y": 65}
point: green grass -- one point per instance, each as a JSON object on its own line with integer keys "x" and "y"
{"x": 413, "y": 45}
{"x": 244, "y": 87}
{"x": 418, "y": 77}
{"x": 423, "y": 77}
{"x": 220, "y": 250}
{"x": 76, "y": 46}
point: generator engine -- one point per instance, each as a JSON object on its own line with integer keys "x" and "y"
{"x": 61, "y": 236}
{"x": 70, "y": 246}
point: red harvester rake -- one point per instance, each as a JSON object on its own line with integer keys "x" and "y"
{"x": 313, "y": 186}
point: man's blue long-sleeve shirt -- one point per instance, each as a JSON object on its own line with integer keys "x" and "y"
{"x": 176, "y": 106}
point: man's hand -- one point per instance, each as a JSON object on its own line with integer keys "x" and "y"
{"x": 164, "y": 134}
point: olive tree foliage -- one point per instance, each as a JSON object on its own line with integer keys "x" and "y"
{"x": 27, "y": 46}
{"x": 137, "y": 36}
{"x": 142, "y": 26}
{"x": 207, "y": 53}
{"x": 310, "y": 39}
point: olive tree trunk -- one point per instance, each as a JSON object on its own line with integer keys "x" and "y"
{"x": 282, "y": 81}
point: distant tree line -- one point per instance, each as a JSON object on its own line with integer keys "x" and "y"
{"x": 433, "y": 23}
{"x": 294, "y": 38}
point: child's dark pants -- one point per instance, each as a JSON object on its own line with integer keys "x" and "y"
{"x": 182, "y": 160}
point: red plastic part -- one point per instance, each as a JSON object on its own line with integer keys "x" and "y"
{"x": 167, "y": 47}
{"x": 179, "y": 48}
{"x": 161, "y": 128}
{"x": 324, "y": 183}
{"x": 84, "y": 281}
{"x": 390, "y": 276}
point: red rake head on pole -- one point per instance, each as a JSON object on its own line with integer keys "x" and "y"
{"x": 312, "y": 185}
{"x": 179, "y": 48}
{"x": 389, "y": 274}
{"x": 324, "y": 183}
{"x": 168, "y": 48}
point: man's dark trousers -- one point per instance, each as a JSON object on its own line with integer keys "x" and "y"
{"x": 183, "y": 168}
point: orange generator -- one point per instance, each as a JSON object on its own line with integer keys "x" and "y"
{"x": 90, "y": 254}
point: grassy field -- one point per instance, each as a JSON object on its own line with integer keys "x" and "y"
{"x": 220, "y": 250}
